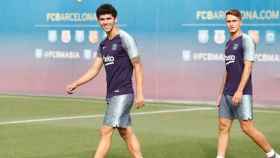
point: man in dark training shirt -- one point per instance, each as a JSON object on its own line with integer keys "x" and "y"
{"x": 235, "y": 96}
{"x": 119, "y": 55}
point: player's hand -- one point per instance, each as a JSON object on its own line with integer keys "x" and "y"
{"x": 71, "y": 88}
{"x": 218, "y": 101}
{"x": 236, "y": 99}
{"x": 139, "y": 101}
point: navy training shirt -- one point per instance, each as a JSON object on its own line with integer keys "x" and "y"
{"x": 237, "y": 51}
{"x": 117, "y": 54}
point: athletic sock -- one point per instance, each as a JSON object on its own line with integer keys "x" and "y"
{"x": 270, "y": 154}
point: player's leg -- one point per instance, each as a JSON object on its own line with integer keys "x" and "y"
{"x": 225, "y": 122}
{"x": 224, "y": 135}
{"x": 258, "y": 137}
{"x": 109, "y": 123}
{"x": 245, "y": 116}
{"x": 105, "y": 141}
{"x": 132, "y": 142}
{"x": 119, "y": 111}
{"x": 125, "y": 103}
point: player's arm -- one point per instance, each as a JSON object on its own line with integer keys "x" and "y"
{"x": 138, "y": 74}
{"x": 133, "y": 53}
{"x": 244, "y": 79}
{"x": 221, "y": 90}
{"x": 249, "y": 58}
{"x": 89, "y": 75}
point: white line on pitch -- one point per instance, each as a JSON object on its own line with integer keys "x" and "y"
{"x": 100, "y": 115}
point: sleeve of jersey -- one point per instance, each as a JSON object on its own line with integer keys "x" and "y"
{"x": 130, "y": 45}
{"x": 249, "y": 48}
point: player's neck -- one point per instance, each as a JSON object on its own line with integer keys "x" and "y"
{"x": 114, "y": 32}
{"x": 235, "y": 35}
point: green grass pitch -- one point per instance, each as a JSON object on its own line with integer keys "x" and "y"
{"x": 68, "y": 128}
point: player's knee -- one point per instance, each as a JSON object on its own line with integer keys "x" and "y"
{"x": 224, "y": 128}
{"x": 125, "y": 132}
{"x": 105, "y": 132}
{"x": 247, "y": 129}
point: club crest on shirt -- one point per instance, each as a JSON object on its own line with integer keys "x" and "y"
{"x": 114, "y": 47}
{"x": 235, "y": 46}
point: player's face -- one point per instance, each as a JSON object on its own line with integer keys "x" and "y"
{"x": 107, "y": 22}
{"x": 233, "y": 23}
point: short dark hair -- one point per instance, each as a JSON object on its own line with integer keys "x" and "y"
{"x": 234, "y": 12}
{"x": 106, "y": 9}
